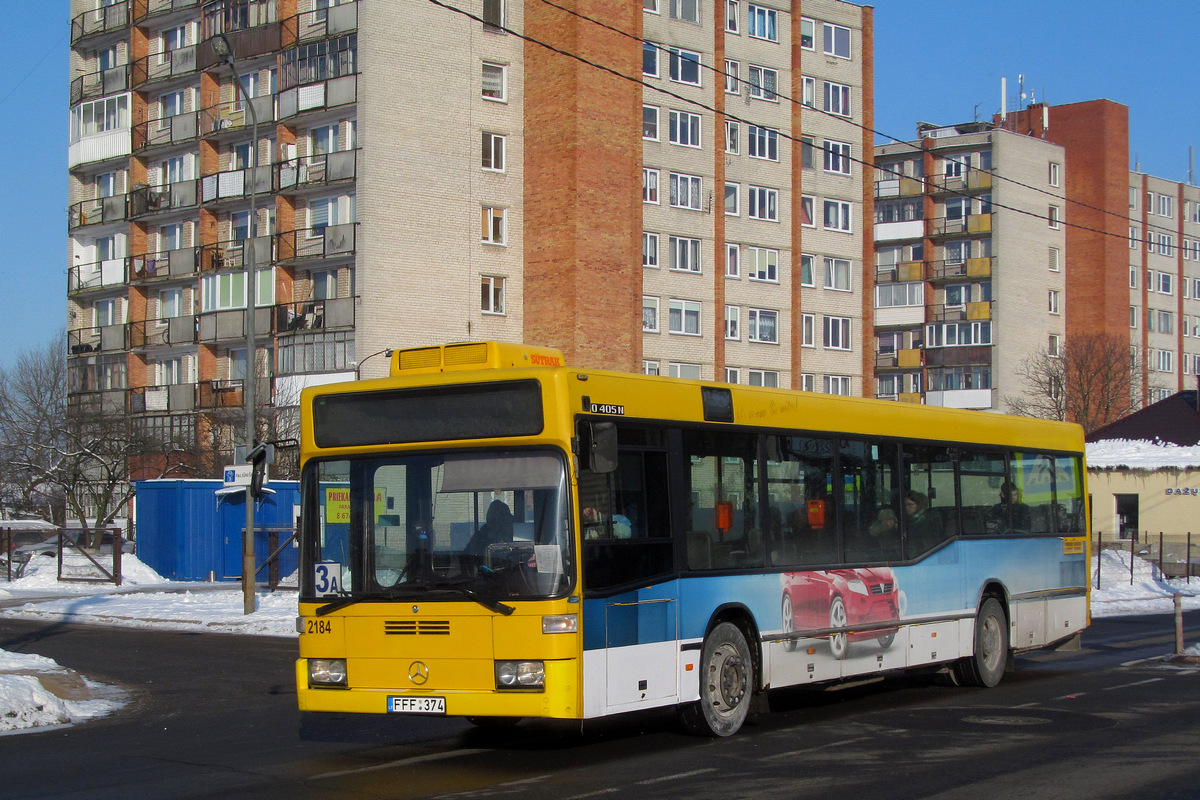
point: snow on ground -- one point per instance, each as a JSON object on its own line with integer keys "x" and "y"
{"x": 32, "y": 693}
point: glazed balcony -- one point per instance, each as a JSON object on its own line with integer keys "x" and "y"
{"x": 97, "y": 275}
{"x": 172, "y": 397}
{"x": 949, "y": 226}
{"x": 316, "y": 171}
{"x": 235, "y": 184}
{"x": 974, "y": 179}
{"x": 100, "y": 83}
{"x": 165, "y": 264}
{"x": 154, "y": 8}
{"x": 227, "y": 393}
{"x": 99, "y": 21}
{"x": 899, "y": 187}
{"x": 962, "y": 312}
{"x": 232, "y": 254}
{"x": 171, "y": 332}
{"x": 234, "y": 116}
{"x": 319, "y": 96}
{"x": 314, "y": 315}
{"x": 904, "y": 272}
{"x": 98, "y": 211}
{"x": 166, "y": 132}
{"x": 145, "y": 200}
{"x": 315, "y": 243}
{"x": 322, "y": 23}
{"x": 952, "y": 270}
{"x": 251, "y": 26}
{"x": 101, "y": 339}
{"x": 164, "y": 66}
{"x": 110, "y": 402}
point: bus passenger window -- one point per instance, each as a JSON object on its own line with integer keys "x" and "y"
{"x": 1068, "y": 496}
{"x": 723, "y": 530}
{"x": 980, "y": 476}
{"x": 801, "y": 519}
{"x": 1032, "y": 497}
{"x": 930, "y": 509}
{"x": 871, "y": 501}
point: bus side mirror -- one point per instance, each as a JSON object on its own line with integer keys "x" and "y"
{"x": 601, "y": 447}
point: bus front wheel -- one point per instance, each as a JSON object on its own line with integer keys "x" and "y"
{"x": 726, "y": 684}
{"x": 986, "y": 666}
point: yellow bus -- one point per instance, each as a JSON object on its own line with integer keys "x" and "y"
{"x": 489, "y": 533}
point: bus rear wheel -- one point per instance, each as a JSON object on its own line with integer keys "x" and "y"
{"x": 985, "y": 667}
{"x": 726, "y": 684}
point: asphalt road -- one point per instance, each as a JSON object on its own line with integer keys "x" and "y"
{"x": 214, "y": 716}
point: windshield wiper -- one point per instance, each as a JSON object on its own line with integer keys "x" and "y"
{"x": 488, "y": 603}
{"x": 341, "y": 602}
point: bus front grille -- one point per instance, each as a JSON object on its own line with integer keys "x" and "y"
{"x": 416, "y": 627}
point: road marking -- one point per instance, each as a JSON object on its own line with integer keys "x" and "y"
{"x": 1135, "y": 683}
{"x": 676, "y": 776}
{"x": 1070, "y": 696}
{"x": 817, "y": 748}
{"x": 404, "y": 762}
{"x": 592, "y": 794}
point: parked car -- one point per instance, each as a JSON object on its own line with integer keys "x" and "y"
{"x": 841, "y": 598}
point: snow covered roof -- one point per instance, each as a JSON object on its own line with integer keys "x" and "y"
{"x": 1141, "y": 455}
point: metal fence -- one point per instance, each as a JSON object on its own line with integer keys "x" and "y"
{"x": 1173, "y": 555}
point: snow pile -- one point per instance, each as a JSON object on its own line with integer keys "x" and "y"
{"x": 41, "y": 575}
{"x": 1148, "y": 593}
{"x": 25, "y": 702}
{"x": 1141, "y": 455}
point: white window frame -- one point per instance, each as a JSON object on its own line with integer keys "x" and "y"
{"x": 649, "y": 250}
{"x": 763, "y": 377}
{"x": 1055, "y": 176}
{"x": 687, "y": 310}
{"x": 761, "y": 23}
{"x": 733, "y": 260}
{"x": 684, "y": 128}
{"x": 651, "y": 56}
{"x": 493, "y": 145}
{"x": 837, "y": 157}
{"x": 757, "y": 83}
{"x": 731, "y": 137}
{"x": 808, "y": 270}
{"x": 650, "y": 304}
{"x": 676, "y": 73}
{"x": 840, "y": 385}
{"x": 1053, "y": 218}
{"x": 494, "y": 225}
{"x": 840, "y": 217}
{"x": 684, "y": 10}
{"x": 493, "y": 289}
{"x": 838, "y": 274}
{"x": 755, "y": 318}
{"x": 650, "y": 193}
{"x": 808, "y": 91}
{"x": 762, "y": 142}
{"x": 837, "y": 99}
{"x": 649, "y": 125}
{"x": 1055, "y": 256}
{"x": 808, "y": 330}
{"x": 836, "y": 333}
{"x": 830, "y": 38}
{"x": 731, "y": 16}
{"x": 1052, "y": 304}
{"x": 494, "y": 69}
{"x": 687, "y": 191}
{"x": 685, "y": 254}
{"x": 733, "y": 315}
{"x": 683, "y": 369}
{"x": 732, "y": 209}
{"x": 808, "y": 33}
{"x": 732, "y": 84}
{"x": 762, "y": 203}
{"x": 762, "y": 264}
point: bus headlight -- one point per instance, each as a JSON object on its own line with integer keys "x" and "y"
{"x": 327, "y": 671}
{"x": 520, "y": 675}
{"x": 561, "y": 623}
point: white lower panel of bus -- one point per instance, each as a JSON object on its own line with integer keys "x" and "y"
{"x": 630, "y": 678}
{"x": 1041, "y": 621}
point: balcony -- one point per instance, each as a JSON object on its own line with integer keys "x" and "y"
{"x": 974, "y": 223}
{"x": 100, "y": 83}
{"x": 899, "y": 187}
{"x": 154, "y": 8}
{"x": 227, "y": 326}
{"x": 97, "y": 275}
{"x": 164, "y": 66}
{"x": 319, "y": 96}
{"x": 963, "y": 312}
{"x": 103, "y": 339}
{"x": 157, "y": 199}
{"x": 314, "y": 243}
{"x": 960, "y": 398}
{"x": 316, "y": 171}
{"x": 110, "y": 402}
{"x": 235, "y": 184}
{"x": 314, "y": 315}
{"x": 894, "y": 231}
{"x": 98, "y": 211}
{"x": 227, "y": 393}
{"x": 165, "y": 264}
{"x": 170, "y": 332}
{"x": 904, "y": 272}
{"x": 249, "y": 25}
{"x": 231, "y": 254}
{"x": 165, "y": 132}
{"x": 951, "y": 270}
{"x": 228, "y": 117}
{"x": 99, "y": 21}
{"x": 321, "y": 23}
{"x": 175, "y": 397}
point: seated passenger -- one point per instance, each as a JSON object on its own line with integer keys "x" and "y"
{"x": 923, "y": 524}
{"x": 1009, "y": 508}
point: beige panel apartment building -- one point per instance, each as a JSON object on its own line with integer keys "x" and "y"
{"x": 421, "y": 175}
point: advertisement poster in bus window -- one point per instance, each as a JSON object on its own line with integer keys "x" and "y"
{"x": 337, "y": 505}
{"x": 1035, "y": 478}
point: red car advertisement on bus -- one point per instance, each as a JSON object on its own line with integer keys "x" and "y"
{"x": 838, "y": 599}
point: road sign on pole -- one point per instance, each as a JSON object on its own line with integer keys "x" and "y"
{"x": 238, "y": 474}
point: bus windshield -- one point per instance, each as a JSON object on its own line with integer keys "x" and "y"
{"x": 480, "y": 525}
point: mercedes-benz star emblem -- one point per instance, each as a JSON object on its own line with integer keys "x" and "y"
{"x": 418, "y": 672}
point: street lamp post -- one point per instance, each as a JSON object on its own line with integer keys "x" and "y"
{"x": 224, "y": 51}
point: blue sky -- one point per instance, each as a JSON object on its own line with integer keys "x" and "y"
{"x": 935, "y": 61}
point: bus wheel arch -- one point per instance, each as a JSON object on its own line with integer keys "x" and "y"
{"x": 990, "y": 650}
{"x": 730, "y": 670}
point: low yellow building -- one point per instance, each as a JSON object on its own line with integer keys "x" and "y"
{"x": 1140, "y": 489}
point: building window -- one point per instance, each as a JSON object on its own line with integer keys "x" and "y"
{"x": 731, "y": 199}
{"x": 1055, "y": 262}
{"x": 685, "y": 66}
{"x": 733, "y": 324}
{"x": 808, "y": 328}
{"x": 171, "y": 104}
{"x": 763, "y": 264}
{"x": 763, "y": 203}
{"x": 170, "y": 303}
{"x": 493, "y": 227}
{"x": 1052, "y": 217}
{"x": 650, "y": 122}
{"x": 807, "y": 150}
{"x": 1166, "y": 283}
{"x": 493, "y": 152}
{"x": 958, "y": 295}
{"x": 731, "y": 137}
{"x": 731, "y": 16}
{"x": 808, "y": 382}
{"x": 650, "y": 315}
{"x": 808, "y": 91}
{"x": 650, "y": 59}
{"x": 837, "y": 274}
{"x": 1133, "y": 316}
{"x": 837, "y": 98}
{"x": 732, "y": 85}
{"x": 1166, "y": 205}
{"x": 493, "y": 15}
{"x": 837, "y": 333}
{"x": 837, "y": 384}
{"x": 492, "y": 295}
{"x": 1161, "y": 322}
{"x": 1052, "y": 302}
{"x": 684, "y": 317}
{"x": 222, "y": 291}
{"x": 760, "y": 23}
{"x": 807, "y": 212}
{"x": 1055, "y": 177}
{"x": 685, "y": 128}
{"x": 99, "y": 116}
{"x": 763, "y": 377}
{"x": 837, "y": 157}
{"x": 731, "y": 374}
{"x": 682, "y": 370}
{"x": 686, "y": 10}
{"x": 837, "y": 41}
{"x": 958, "y": 334}
{"x": 686, "y": 191}
{"x": 732, "y": 260}
{"x": 837, "y": 215}
{"x": 685, "y": 254}
{"x": 807, "y": 277}
{"x": 763, "y": 142}
{"x": 1133, "y": 237}
{"x": 808, "y": 33}
{"x": 649, "y": 185}
{"x": 763, "y": 82}
{"x": 649, "y": 367}
{"x": 494, "y": 82}
{"x": 650, "y": 250}
{"x": 763, "y": 326}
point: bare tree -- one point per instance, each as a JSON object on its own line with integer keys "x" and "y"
{"x": 1091, "y": 381}
{"x": 33, "y": 399}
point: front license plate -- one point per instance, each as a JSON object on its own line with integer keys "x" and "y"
{"x": 416, "y": 705}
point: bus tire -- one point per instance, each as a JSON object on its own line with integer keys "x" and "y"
{"x": 985, "y": 667}
{"x": 726, "y": 684}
